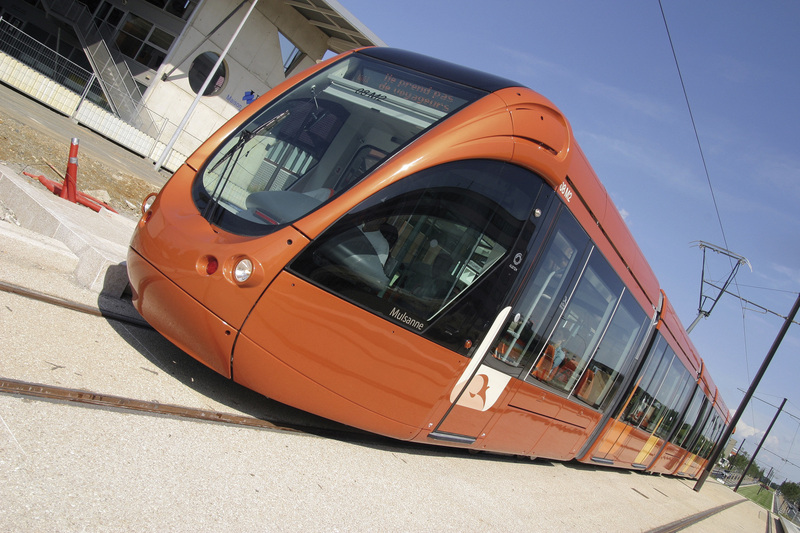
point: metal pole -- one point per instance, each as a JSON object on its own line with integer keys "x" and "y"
{"x": 211, "y": 74}
{"x": 700, "y": 314}
{"x": 748, "y": 395}
{"x": 83, "y": 96}
{"x": 758, "y": 448}
{"x": 207, "y": 37}
{"x": 740, "y": 447}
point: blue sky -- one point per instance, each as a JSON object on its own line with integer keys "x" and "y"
{"x": 609, "y": 67}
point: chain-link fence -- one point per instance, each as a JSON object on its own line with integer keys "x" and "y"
{"x": 46, "y": 61}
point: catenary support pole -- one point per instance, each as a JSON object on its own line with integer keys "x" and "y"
{"x": 760, "y": 444}
{"x": 712, "y": 460}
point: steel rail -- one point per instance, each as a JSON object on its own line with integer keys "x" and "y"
{"x": 683, "y": 523}
{"x": 63, "y": 394}
{"x": 69, "y": 304}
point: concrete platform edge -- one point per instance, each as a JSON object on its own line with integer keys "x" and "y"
{"x": 99, "y": 240}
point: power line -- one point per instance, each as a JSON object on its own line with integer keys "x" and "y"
{"x": 775, "y": 406}
{"x": 769, "y": 289}
{"x": 783, "y": 459}
{"x": 765, "y": 310}
{"x": 708, "y": 177}
{"x": 694, "y": 126}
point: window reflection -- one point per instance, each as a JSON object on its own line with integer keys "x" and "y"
{"x": 622, "y": 340}
{"x": 575, "y": 328}
{"x": 640, "y": 407}
{"x": 693, "y": 418}
{"x": 316, "y": 141}
{"x": 580, "y": 327}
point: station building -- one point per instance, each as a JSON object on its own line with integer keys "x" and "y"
{"x": 159, "y": 76}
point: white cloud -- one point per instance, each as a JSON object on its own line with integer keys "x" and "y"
{"x": 744, "y": 431}
{"x": 793, "y": 274}
{"x": 647, "y": 160}
{"x": 527, "y": 65}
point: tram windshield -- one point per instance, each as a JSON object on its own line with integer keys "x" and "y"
{"x": 319, "y": 139}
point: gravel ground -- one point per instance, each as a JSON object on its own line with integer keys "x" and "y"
{"x": 28, "y": 145}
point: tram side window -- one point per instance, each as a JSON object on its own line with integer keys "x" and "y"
{"x": 662, "y": 393}
{"x": 410, "y": 250}
{"x": 580, "y": 327}
{"x": 641, "y": 407}
{"x": 546, "y": 287}
{"x": 698, "y": 424}
{"x": 691, "y": 419}
{"x": 622, "y": 341}
{"x": 711, "y": 432}
{"x": 674, "y": 393}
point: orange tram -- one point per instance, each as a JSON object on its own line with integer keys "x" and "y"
{"x": 422, "y": 250}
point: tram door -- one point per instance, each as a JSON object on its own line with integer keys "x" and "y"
{"x": 516, "y": 334}
{"x": 478, "y": 390}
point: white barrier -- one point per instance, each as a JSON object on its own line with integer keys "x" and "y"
{"x": 58, "y": 97}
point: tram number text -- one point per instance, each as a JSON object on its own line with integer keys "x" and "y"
{"x": 565, "y": 191}
{"x": 371, "y": 94}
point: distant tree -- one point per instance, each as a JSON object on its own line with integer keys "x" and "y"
{"x": 790, "y": 491}
{"x": 739, "y": 462}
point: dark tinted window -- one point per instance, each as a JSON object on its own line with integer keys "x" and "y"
{"x": 409, "y": 251}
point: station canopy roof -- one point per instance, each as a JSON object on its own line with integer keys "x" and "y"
{"x": 344, "y": 31}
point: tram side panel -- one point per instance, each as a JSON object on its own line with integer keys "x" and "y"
{"x": 337, "y": 349}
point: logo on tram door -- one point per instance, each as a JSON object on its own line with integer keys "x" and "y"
{"x": 482, "y": 391}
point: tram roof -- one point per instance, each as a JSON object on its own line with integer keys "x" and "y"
{"x": 444, "y": 69}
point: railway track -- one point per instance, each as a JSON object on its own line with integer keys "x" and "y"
{"x": 110, "y": 401}
{"x": 69, "y": 304}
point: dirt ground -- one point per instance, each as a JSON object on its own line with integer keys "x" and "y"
{"x": 22, "y": 148}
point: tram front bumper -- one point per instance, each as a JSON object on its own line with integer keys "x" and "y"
{"x": 179, "y": 317}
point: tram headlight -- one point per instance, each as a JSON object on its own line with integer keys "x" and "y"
{"x": 243, "y": 270}
{"x": 148, "y": 203}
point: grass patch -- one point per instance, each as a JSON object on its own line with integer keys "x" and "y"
{"x": 763, "y": 498}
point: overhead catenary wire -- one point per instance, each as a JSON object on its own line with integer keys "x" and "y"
{"x": 774, "y": 406}
{"x": 785, "y": 457}
{"x": 761, "y": 308}
{"x": 786, "y": 291}
{"x": 789, "y": 320}
{"x": 694, "y": 125}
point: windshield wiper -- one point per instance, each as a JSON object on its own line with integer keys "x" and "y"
{"x": 235, "y": 150}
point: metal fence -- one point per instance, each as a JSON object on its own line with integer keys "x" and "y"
{"x": 70, "y": 89}
{"x": 46, "y": 61}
